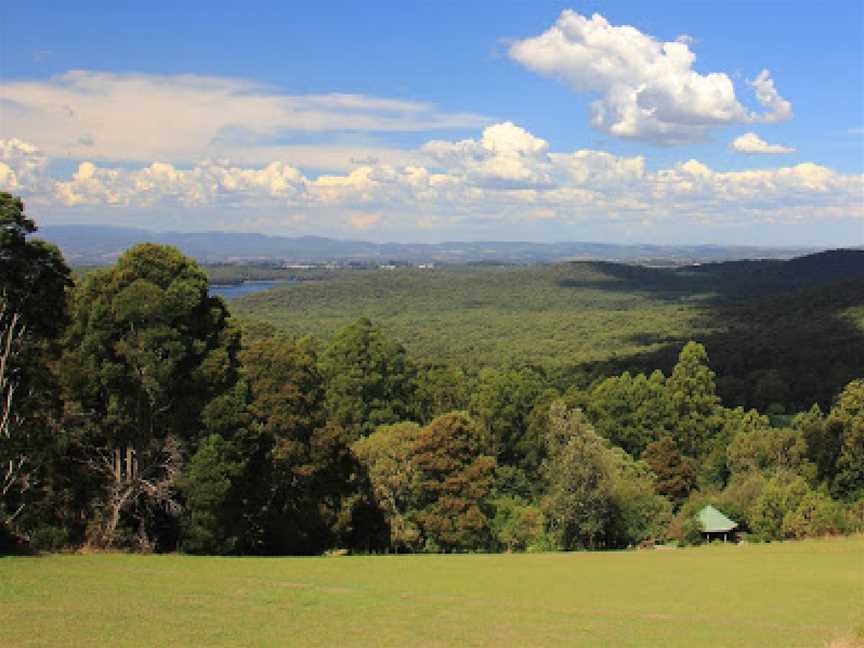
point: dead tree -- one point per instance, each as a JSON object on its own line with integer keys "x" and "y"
{"x": 138, "y": 482}
{"x": 15, "y": 476}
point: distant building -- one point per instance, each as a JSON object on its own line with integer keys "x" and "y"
{"x": 715, "y": 525}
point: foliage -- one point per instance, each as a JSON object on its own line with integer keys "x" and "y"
{"x": 631, "y": 411}
{"x": 152, "y": 361}
{"x": 578, "y": 503}
{"x": 845, "y": 423}
{"x": 695, "y": 404}
{"x": 388, "y": 456}
{"x": 170, "y": 433}
{"x": 33, "y": 275}
{"x": 516, "y": 524}
{"x": 597, "y": 496}
{"x": 306, "y": 484}
{"x": 503, "y": 404}
{"x": 782, "y": 495}
{"x": 758, "y": 446}
{"x": 441, "y": 388}
{"x": 453, "y": 478}
{"x": 33, "y": 279}
{"x": 600, "y": 319}
{"x": 479, "y": 316}
{"x": 674, "y": 474}
{"x": 287, "y": 386}
{"x": 207, "y": 527}
{"x": 816, "y": 515}
{"x": 369, "y": 380}
{"x": 640, "y": 514}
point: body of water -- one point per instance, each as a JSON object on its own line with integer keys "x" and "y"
{"x": 234, "y": 291}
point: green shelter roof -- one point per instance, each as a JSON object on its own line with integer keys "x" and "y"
{"x": 713, "y": 521}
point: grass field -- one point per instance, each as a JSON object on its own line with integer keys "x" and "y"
{"x": 793, "y": 594}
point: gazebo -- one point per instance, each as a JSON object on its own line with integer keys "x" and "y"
{"x": 715, "y": 525}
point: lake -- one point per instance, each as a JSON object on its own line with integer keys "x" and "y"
{"x": 233, "y": 291}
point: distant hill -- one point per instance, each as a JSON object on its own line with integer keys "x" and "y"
{"x": 99, "y": 245}
{"x": 781, "y": 333}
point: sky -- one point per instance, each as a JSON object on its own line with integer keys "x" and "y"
{"x": 628, "y": 122}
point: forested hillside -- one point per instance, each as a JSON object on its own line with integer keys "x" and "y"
{"x": 783, "y": 335}
{"x": 493, "y": 410}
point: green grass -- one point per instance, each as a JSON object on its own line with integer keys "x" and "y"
{"x": 792, "y": 594}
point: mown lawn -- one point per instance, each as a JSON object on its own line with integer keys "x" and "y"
{"x": 793, "y": 594}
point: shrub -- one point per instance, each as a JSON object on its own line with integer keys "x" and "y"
{"x": 816, "y": 515}
{"x": 782, "y": 494}
{"x": 48, "y": 538}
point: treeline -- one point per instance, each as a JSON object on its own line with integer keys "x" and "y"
{"x": 135, "y": 415}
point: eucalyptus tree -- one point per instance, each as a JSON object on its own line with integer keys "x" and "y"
{"x": 151, "y": 364}
{"x": 33, "y": 280}
{"x": 369, "y": 380}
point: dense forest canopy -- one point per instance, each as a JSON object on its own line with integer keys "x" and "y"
{"x": 782, "y": 335}
{"x": 137, "y": 413}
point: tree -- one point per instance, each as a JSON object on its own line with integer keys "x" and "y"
{"x": 151, "y": 362}
{"x": 816, "y": 515}
{"x": 320, "y": 497}
{"x": 300, "y": 478}
{"x": 516, "y": 524}
{"x": 208, "y": 525}
{"x": 287, "y": 387}
{"x": 695, "y": 404}
{"x": 845, "y": 423}
{"x": 33, "y": 280}
{"x": 15, "y": 454}
{"x": 369, "y": 381}
{"x": 441, "y": 389}
{"x": 631, "y": 411}
{"x": 764, "y": 448}
{"x": 453, "y": 478}
{"x": 578, "y": 503}
{"x": 33, "y": 275}
{"x": 502, "y": 403}
{"x": 822, "y": 449}
{"x": 674, "y": 474}
{"x": 388, "y": 455}
{"x": 639, "y": 514}
{"x": 597, "y": 495}
{"x": 782, "y": 494}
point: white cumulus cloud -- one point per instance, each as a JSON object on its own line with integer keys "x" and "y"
{"x": 648, "y": 89}
{"x": 506, "y": 156}
{"x": 505, "y": 176}
{"x": 752, "y": 143}
{"x": 22, "y": 165}
{"x": 766, "y": 94}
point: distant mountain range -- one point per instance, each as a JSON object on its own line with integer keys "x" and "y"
{"x": 100, "y": 245}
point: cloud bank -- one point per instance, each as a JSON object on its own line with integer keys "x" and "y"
{"x": 505, "y": 176}
{"x": 180, "y": 119}
{"x": 648, "y": 89}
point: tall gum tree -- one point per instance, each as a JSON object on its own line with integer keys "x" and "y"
{"x": 33, "y": 281}
{"x": 152, "y": 362}
{"x": 369, "y": 380}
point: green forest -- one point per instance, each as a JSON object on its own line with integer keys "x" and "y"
{"x": 485, "y": 408}
{"x": 781, "y": 335}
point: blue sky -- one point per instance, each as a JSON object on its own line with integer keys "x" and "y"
{"x": 292, "y": 119}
